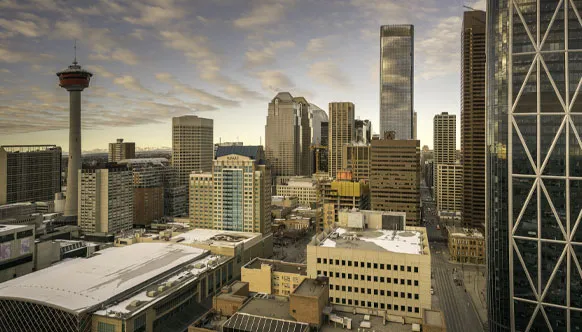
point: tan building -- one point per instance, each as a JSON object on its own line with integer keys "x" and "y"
{"x": 444, "y": 143}
{"x": 308, "y": 300}
{"x": 201, "y": 200}
{"x": 473, "y": 117}
{"x": 343, "y": 194}
{"x": 356, "y": 159}
{"x": 341, "y": 131}
{"x": 273, "y": 277}
{"x": 395, "y": 177}
{"x": 305, "y": 189}
{"x": 192, "y": 146}
{"x": 374, "y": 271}
{"x": 231, "y": 298}
{"x": 354, "y": 218}
{"x": 288, "y": 135}
{"x": 120, "y": 150}
{"x": 450, "y": 183}
{"x": 466, "y": 245}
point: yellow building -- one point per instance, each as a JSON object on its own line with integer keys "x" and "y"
{"x": 356, "y": 158}
{"x": 344, "y": 194}
{"x": 200, "y": 200}
{"x": 273, "y": 277}
{"x": 374, "y": 271}
{"x": 466, "y": 245}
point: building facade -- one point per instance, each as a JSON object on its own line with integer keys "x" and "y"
{"x": 444, "y": 143}
{"x": 397, "y": 80}
{"x": 305, "y": 189}
{"x": 192, "y": 146}
{"x": 473, "y": 118}
{"x": 201, "y": 207}
{"x": 466, "y": 245}
{"x": 450, "y": 184}
{"x": 337, "y": 195}
{"x": 356, "y": 159}
{"x": 121, "y": 150}
{"x": 105, "y": 199}
{"x": 363, "y": 131}
{"x": 341, "y": 131}
{"x": 17, "y": 251}
{"x": 395, "y": 177}
{"x": 29, "y": 173}
{"x": 288, "y": 135}
{"x": 273, "y": 277}
{"x": 534, "y": 160}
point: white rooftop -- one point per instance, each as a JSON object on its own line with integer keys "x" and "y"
{"x": 215, "y": 237}
{"x": 5, "y": 227}
{"x": 404, "y": 242}
{"x": 83, "y": 283}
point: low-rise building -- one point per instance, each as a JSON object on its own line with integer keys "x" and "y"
{"x": 231, "y": 298}
{"x": 16, "y": 251}
{"x": 304, "y": 188}
{"x": 273, "y": 277}
{"x": 344, "y": 194}
{"x": 354, "y": 218}
{"x": 466, "y": 245}
{"x": 285, "y": 201}
{"x": 374, "y": 271}
{"x": 308, "y": 300}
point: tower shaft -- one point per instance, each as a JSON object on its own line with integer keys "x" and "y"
{"x": 71, "y": 204}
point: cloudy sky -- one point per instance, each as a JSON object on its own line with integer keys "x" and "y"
{"x": 221, "y": 59}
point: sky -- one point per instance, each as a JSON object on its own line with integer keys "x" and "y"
{"x": 220, "y": 59}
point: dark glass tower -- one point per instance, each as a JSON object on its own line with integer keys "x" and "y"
{"x": 397, "y": 80}
{"x": 534, "y": 165}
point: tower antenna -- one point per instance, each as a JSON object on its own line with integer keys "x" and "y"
{"x": 75, "y": 47}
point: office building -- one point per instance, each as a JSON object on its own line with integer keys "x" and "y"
{"x": 473, "y": 118}
{"x": 414, "y": 126}
{"x": 16, "y": 251}
{"x": 534, "y": 166}
{"x": 175, "y": 195}
{"x": 105, "y": 199}
{"x": 444, "y": 142}
{"x": 273, "y": 277}
{"x": 306, "y": 189}
{"x": 397, "y": 80}
{"x": 288, "y": 135}
{"x": 374, "y": 271}
{"x": 29, "y": 173}
{"x": 395, "y": 221}
{"x": 450, "y": 195}
{"x": 395, "y": 177}
{"x": 317, "y": 117}
{"x": 427, "y": 165}
{"x": 121, "y": 150}
{"x": 363, "y": 131}
{"x": 356, "y": 159}
{"x": 466, "y": 245}
{"x": 148, "y": 188}
{"x": 342, "y": 194}
{"x": 341, "y": 131}
{"x": 192, "y": 146}
{"x": 216, "y": 145}
{"x": 201, "y": 198}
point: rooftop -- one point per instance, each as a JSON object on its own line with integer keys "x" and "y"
{"x": 279, "y": 266}
{"x": 404, "y": 242}
{"x": 81, "y": 284}
{"x": 4, "y": 227}
{"x": 311, "y": 287}
{"x": 252, "y": 151}
{"x": 215, "y": 237}
{"x": 267, "y": 306}
{"x": 464, "y": 232}
{"x": 251, "y": 323}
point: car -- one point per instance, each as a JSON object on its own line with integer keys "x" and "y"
{"x": 431, "y": 291}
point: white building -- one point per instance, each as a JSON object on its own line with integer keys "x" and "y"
{"x": 16, "y": 251}
{"x": 304, "y": 188}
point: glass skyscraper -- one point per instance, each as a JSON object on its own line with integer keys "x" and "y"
{"x": 534, "y": 165}
{"x": 397, "y": 80}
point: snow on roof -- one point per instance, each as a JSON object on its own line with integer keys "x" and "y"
{"x": 217, "y": 237}
{"x": 80, "y": 284}
{"x": 6, "y": 227}
{"x": 404, "y": 242}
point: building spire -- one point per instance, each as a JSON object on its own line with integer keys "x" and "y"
{"x": 75, "y": 47}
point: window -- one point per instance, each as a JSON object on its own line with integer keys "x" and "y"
{"x": 415, "y": 282}
{"x": 369, "y": 291}
{"x": 402, "y": 308}
{"x": 355, "y": 276}
{"x": 375, "y": 265}
{"x": 388, "y": 293}
{"x": 402, "y": 281}
{"x": 139, "y": 324}
{"x": 349, "y": 301}
{"x": 409, "y": 282}
{"x": 343, "y": 275}
{"x": 416, "y": 309}
{"x": 369, "y": 304}
{"x": 369, "y": 278}
{"x": 388, "y": 267}
{"x": 381, "y": 266}
{"x": 349, "y": 276}
{"x": 104, "y": 327}
{"x": 318, "y": 272}
{"x": 343, "y": 262}
{"x": 395, "y": 267}
{"x": 416, "y": 269}
{"x": 355, "y": 289}
{"x": 349, "y": 263}
{"x": 409, "y": 309}
{"x": 337, "y": 274}
{"x": 402, "y": 295}
{"x": 369, "y": 265}
{"x": 362, "y": 277}
{"x": 375, "y": 279}
{"x": 389, "y": 306}
{"x": 375, "y": 304}
{"x": 381, "y": 305}
{"x": 402, "y": 268}
{"x": 408, "y": 269}
{"x": 395, "y": 281}
{"x": 409, "y": 295}
{"x": 416, "y": 296}
{"x": 381, "y": 279}
{"x": 336, "y": 287}
{"x": 344, "y": 301}
{"x": 356, "y": 263}
{"x": 356, "y": 302}
{"x": 396, "y": 307}
{"x": 318, "y": 260}
{"x": 395, "y": 294}
{"x": 349, "y": 288}
{"x": 325, "y": 261}
{"x": 344, "y": 289}
{"x": 375, "y": 292}
{"x": 363, "y": 290}
{"x": 330, "y": 286}
{"x": 337, "y": 262}
{"x": 325, "y": 273}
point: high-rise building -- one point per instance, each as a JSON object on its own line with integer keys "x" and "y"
{"x": 105, "y": 199}
{"x": 317, "y": 117}
{"x": 192, "y": 146}
{"x": 395, "y": 177}
{"x": 473, "y": 118}
{"x": 241, "y": 183}
{"x": 444, "y": 142}
{"x": 343, "y": 193}
{"x": 450, "y": 183}
{"x": 288, "y": 135}
{"x": 356, "y": 159}
{"x": 121, "y": 150}
{"x": 414, "y": 126}
{"x": 341, "y": 131}
{"x": 216, "y": 145}
{"x": 29, "y": 173}
{"x": 396, "y": 80}
{"x": 534, "y": 165}
{"x": 363, "y": 131}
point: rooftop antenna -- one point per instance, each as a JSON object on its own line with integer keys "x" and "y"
{"x": 75, "y": 47}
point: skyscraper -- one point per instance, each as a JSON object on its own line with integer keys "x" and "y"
{"x": 192, "y": 146}
{"x": 397, "y": 80}
{"x": 444, "y": 142}
{"x": 473, "y": 118}
{"x": 356, "y": 159}
{"x": 450, "y": 183}
{"x": 121, "y": 150}
{"x": 288, "y": 135}
{"x": 341, "y": 131}
{"x": 29, "y": 173}
{"x": 534, "y": 165}
{"x": 363, "y": 131}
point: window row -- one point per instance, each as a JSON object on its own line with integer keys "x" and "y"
{"x": 369, "y": 265}
{"x": 370, "y": 291}
{"x": 362, "y": 277}
{"x": 376, "y": 305}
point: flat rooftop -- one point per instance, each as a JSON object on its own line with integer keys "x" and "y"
{"x": 265, "y": 306}
{"x": 403, "y": 242}
{"x": 279, "y": 266}
{"x": 464, "y": 232}
{"x": 80, "y": 284}
{"x": 310, "y": 287}
{"x": 5, "y": 227}
{"x": 215, "y": 237}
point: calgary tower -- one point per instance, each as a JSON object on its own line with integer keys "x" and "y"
{"x": 75, "y": 79}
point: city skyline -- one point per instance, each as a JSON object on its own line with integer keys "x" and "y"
{"x": 168, "y": 62}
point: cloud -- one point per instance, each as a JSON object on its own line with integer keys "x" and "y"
{"x": 438, "y": 53}
{"x": 99, "y": 71}
{"x": 13, "y": 56}
{"x": 329, "y": 73}
{"x": 160, "y": 12}
{"x": 25, "y": 28}
{"x": 267, "y": 55}
{"x": 131, "y": 83}
{"x": 261, "y": 15}
{"x": 193, "y": 92}
{"x": 275, "y": 81}
{"x": 478, "y": 4}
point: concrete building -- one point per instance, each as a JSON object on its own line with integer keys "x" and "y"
{"x": 343, "y": 194}
{"x": 123, "y": 292}
{"x": 17, "y": 253}
{"x": 308, "y": 301}
{"x": 427, "y": 165}
{"x": 395, "y": 177}
{"x": 397, "y": 80}
{"x": 414, "y": 126}
{"x": 473, "y": 118}
{"x": 466, "y": 245}
{"x": 192, "y": 146}
{"x": 148, "y": 188}
{"x": 121, "y": 150}
{"x": 29, "y": 173}
{"x": 362, "y": 131}
{"x": 354, "y": 218}
{"x": 288, "y": 135}
{"x": 450, "y": 193}
{"x": 444, "y": 144}
{"x": 241, "y": 191}
{"x": 306, "y": 189}
{"x": 374, "y": 271}
{"x": 341, "y": 131}
{"x": 216, "y": 145}
{"x": 317, "y": 118}
{"x": 230, "y": 299}
{"x": 105, "y": 199}
{"x": 274, "y": 277}
{"x": 356, "y": 159}
{"x": 175, "y": 194}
